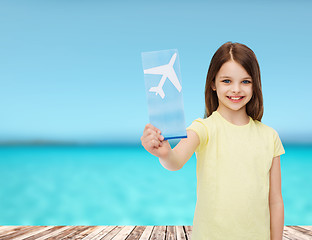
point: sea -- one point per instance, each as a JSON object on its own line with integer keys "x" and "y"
{"x": 121, "y": 185}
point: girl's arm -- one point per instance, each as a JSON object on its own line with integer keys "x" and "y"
{"x": 171, "y": 159}
{"x": 181, "y": 153}
{"x": 276, "y": 201}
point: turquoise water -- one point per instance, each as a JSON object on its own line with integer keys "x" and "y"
{"x": 50, "y": 185}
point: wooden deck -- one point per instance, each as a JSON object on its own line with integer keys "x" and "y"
{"x": 122, "y": 232}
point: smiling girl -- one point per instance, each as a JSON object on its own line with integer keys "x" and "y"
{"x": 238, "y": 157}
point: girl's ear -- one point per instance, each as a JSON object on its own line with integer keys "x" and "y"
{"x": 213, "y": 86}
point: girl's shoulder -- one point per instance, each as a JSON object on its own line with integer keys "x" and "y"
{"x": 265, "y": 128}
{"x": 204, "y": 122}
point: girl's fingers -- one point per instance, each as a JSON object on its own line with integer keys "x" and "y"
{"x": 161, "y": 137}
{"x": 155, "y": 143}
{"x": 150, "y": 141}
{"x": 149, "y": 131}
{"x": 152, "y": 131}
{"x": 149, "y": 128}
{"x": 152, "y": 127}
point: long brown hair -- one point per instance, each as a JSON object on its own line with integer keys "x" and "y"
{"x": 243, "y": 55}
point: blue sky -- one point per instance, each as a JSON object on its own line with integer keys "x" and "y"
{"x": 72, "y": 71}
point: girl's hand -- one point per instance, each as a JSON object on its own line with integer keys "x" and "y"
{"x": 154, "y": 143}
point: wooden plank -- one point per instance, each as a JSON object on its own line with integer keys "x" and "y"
{"x": 147, "y": 233}
{"x": 50, "y": 233}
{"x": 294, "y": 234}
{"x": 20, "y": 232}
{"x": 66, "y": 232}
{"x": 97, "y": 231}
{"x": 29, "y": 234}
{"x": 85, "y": 233}
{"x": 286, "y": 238}
{"x": 63, "y": 233}
{"x": 12, "y": 231}
{"x": 307, "y": 227}
{"x": 180, "y": 233}
{"x": 305, "y": 232}
{"x": 75, "y": 232}
{"x": 188, "y": 231}
{"x": 3, "y": 227}
{"x": 124, "y": 233}
{"x": 8, "y": 229}
{"x": 136, "y": 233}
{"x": 302, "y": 229}
{"x": 171, "y": 233}
{"x": 112, "y": 233}
{"x": 103, "y": 233}
{"x": 159, "y": 233}
{"x": 44, "y": 233}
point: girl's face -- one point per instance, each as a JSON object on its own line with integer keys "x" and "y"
{"x": 232, "y": 81}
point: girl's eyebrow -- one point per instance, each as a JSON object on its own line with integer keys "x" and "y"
{"x": 230, "y": 77}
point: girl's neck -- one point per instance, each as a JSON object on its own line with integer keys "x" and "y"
{"x": 238, "y": 117}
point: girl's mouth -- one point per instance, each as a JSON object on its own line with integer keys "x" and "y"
{"x": 235, "y": 99}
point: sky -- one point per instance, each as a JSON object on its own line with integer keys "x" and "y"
{"x": 72, "y": 71}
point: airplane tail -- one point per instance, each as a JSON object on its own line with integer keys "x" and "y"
{"x": 158, "y": 90}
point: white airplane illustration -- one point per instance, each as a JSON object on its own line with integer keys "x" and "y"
{"x": 168, "y": 72}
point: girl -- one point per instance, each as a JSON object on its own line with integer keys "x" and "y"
{"x": 238, "y": 157}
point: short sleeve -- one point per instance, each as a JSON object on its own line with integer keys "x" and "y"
{"x": 278, "y": 147}
{"x": 199, "y": 127}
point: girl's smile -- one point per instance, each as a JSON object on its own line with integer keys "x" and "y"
{"x": 235, "y": 99}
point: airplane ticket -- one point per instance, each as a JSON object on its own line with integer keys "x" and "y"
{"x": 164, "y": 92}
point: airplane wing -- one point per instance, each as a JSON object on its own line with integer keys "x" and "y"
{"x": 172, "y": 60}
{"x": 172, "y": 76}
{"x": 157, "y": 70}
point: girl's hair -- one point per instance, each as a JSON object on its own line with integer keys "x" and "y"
{"x": 243, "y": 55}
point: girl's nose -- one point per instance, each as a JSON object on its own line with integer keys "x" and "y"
{"x": 235, "y": 89}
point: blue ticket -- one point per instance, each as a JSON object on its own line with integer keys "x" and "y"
{"x": 164, "y": 92}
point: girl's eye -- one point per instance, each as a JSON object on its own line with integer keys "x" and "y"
{"x": 228, "y": 81}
